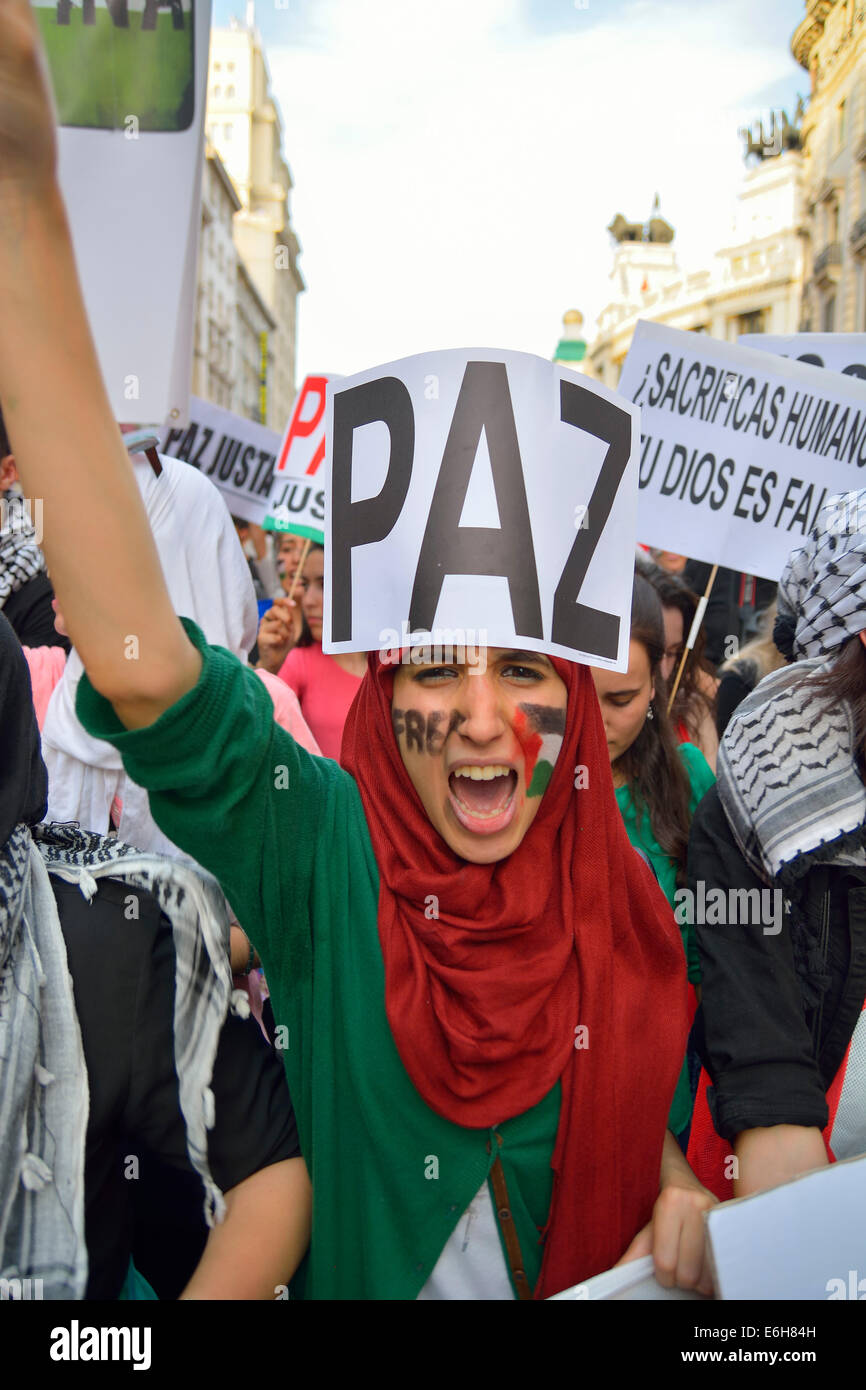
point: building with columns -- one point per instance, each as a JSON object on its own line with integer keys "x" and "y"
{"x": 830, "y": 43}
{"x": 243, "y": 124}
{"x": 751, "y": 284}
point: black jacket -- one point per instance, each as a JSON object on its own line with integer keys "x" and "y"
{"x": 734, "y": 686}
{"x": 142, "y": 1196}
{"x": 30, "y": 612}
{"x": 722, "y": 618}
{"x": 770, "y": 1054}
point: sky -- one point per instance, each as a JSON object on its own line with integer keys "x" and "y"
{"x": 456, "y": 162}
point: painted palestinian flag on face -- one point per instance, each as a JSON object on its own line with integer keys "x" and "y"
{"x": 540, "y": 730}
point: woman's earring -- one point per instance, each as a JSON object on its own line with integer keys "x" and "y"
{"x": 650, "y": 714}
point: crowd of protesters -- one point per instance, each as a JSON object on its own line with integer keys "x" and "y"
{"x": 301, "y": 998}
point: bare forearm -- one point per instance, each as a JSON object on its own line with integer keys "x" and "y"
{"x": 240, "y": 951}
{"x": 675, "y": 1170}
{"x": 70, "y": 454}
{"x": 262, "y": 1240}
{"x": 776, "y": 1154}
{"x": 271, "y": 663}
{"x": 675, "y": 1237}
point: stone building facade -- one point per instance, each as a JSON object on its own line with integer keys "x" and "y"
{"x": 752, "y": 283}
{"x": 244, "y": 125}
{"x": 231, "y": 315}
{"x": 830, "y": 43}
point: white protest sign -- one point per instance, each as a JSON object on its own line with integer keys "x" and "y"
{"x": 302, "y": 451}
{"x": 237, "y": 455}
{"x": 632, "y": 1282}
{"x": 837, "y": 352}
{"x": 805, "y": 1239}
{"x": 298, "y": 506}
{"x": 297, "y": 502}
{"x": 488, "y": 494}
{"x": 129, "y": 80}
{"x": 739, "y": 449}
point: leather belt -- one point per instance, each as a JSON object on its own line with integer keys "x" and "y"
{"x": 508, "y": 1229}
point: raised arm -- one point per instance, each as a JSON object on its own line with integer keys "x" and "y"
{"x": 103, "y": 562}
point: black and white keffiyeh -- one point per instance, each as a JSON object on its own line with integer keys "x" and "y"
{"x": 788, "y": 778}
{"x": 44, "y": 1097}
{"x": 20, "y": 556}
{"x": 44, "y": 1093}
{"x": 787, "y": 771}
{"x": 822, "y": 592}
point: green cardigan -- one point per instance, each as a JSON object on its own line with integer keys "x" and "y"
{"x": 639, "y": 831}
{"x": 285, "y": 834}
{"x": 701, "y": 778}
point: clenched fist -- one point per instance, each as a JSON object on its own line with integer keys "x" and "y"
{"x": 279, "y": 631}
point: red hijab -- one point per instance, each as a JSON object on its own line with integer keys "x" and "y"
{"x": 484, "y": 1000}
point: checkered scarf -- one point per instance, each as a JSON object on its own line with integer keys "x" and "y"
{"x": 787, "y": 772}
{"x": 44, "y": 1095}
{"x": 822, "y": 592}
{"x": 788, "y": 779}
{"x": 20, "y": 556}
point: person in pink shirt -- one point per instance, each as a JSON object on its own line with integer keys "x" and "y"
{"x": 46, "y": 667}
{"x": 325, "y": 685}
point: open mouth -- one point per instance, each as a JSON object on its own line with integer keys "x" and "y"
{"x": 483, "y": 797}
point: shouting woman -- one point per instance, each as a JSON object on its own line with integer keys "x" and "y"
{"x": 479, "y": 985}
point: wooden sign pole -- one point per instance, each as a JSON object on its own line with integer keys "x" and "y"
{"x": 304, "y": 553}
{"x": 693, "y": 633}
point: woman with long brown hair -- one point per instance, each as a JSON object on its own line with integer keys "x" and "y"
{"x": 693, "y": 709}
{"x": 657, "y": 783}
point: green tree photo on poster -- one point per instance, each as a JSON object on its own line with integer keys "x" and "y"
{"x": 112, "y": 59}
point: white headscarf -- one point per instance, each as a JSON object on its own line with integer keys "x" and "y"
{"x": 208, "y": 580}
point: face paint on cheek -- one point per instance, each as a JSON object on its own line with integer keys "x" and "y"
{"x": 422, "y": 732}
{"x": 414, "y": 730}
{"x": 540, "y": 730}
{"x": 435, "y": 736}
{"x": 530, "y": 743}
